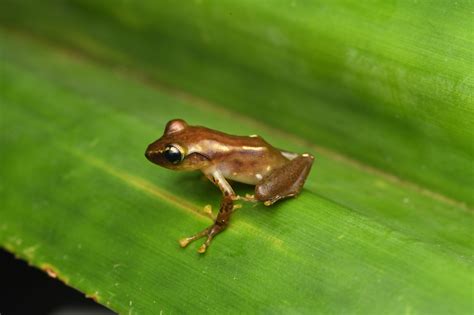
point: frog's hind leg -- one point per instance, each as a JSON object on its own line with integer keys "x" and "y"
{"x": 286, "y": 181}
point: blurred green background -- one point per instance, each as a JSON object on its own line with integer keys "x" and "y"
{"x": 380, "y": 91}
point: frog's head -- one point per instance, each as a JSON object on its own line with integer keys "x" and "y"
{"x": 171, "y": 150}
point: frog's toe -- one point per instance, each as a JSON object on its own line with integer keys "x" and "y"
{"x": 202, "y": 249}
{"x": 184, "y": 242}
{"x": 207, "y": 210}
{"x": 272, "y": 200}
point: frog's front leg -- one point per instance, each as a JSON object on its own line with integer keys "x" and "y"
{"x": 285, "y": 181}
{"x": 222, "y": 220}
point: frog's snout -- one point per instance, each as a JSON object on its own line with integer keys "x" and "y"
{"x": 149, "y": 155}
{"x": 152, "y": 155}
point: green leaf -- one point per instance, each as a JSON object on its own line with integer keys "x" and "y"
{"x": 79, "y": 200}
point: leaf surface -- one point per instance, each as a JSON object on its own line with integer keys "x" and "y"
{"x": 79, "y": 200}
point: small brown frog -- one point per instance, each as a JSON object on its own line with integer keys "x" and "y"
{"x": 276, "y": 174}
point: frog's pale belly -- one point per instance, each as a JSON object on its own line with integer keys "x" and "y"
{"x": 250, "y": 178}
{"x": 250, "y": 171}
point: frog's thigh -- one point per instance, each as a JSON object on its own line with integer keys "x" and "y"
{"x": 285, "y": 181}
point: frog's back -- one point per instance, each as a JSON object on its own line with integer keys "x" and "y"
{"x": 245, "y": 159}
{"x": 228, "y": 139}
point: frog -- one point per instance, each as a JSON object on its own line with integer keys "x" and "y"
{"x": 224, "y": 158}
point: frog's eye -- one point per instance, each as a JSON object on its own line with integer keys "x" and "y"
{"x": 173, "y": 154}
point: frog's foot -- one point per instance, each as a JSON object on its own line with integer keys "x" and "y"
{"x": 222, "y": 219}
{"x": 185, "y": 241}
{"x": 210, "y": 232}
{"x": 247, "y": 197}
